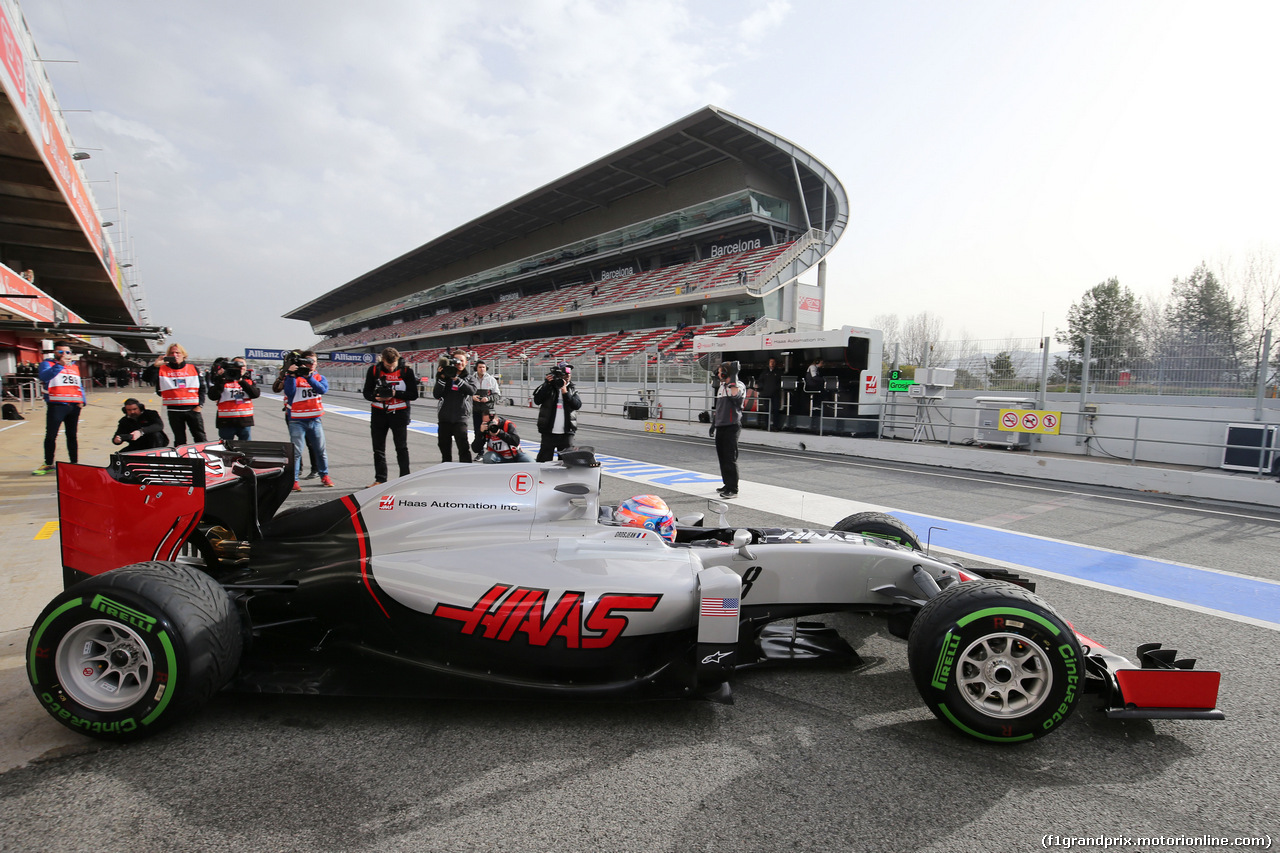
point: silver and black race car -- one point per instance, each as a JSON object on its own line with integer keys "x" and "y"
{"x": 183, "y": 578}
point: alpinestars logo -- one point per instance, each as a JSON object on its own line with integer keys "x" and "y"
{"x": 504, "y": 611}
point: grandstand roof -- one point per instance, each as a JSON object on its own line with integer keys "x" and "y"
{"x": 693, "y": 143}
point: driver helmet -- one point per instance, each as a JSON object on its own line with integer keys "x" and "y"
{"x": 650, "y": 512}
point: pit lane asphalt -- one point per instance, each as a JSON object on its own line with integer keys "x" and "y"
{"x": 804, "y": 760}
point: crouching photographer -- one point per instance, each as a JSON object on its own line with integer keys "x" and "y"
{"x": 453, "y": 389}
{"x": 140, "y": 428}
{"x": 501, "y": 444}
{"x": 557, "y": 401}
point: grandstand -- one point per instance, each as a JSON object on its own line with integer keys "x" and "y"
{"x": 702, "y": 227}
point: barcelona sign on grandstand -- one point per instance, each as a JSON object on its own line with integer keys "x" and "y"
{"x": 701, "y": 228}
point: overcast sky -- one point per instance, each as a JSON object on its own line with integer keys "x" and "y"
{"x": 1000, "y": 157}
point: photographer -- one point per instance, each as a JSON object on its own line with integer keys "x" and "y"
{"x": 557, "y": 400}
{"x": 182, "y": 391}
{"x": 231, "y": 384}
{"x": 454, "y": 389}
{"x": 303, "y": 409}
{"x": 389, "y": 386}
{"x": 482, "y": 401}
{"x": 64, "y": 398}
{"x": 726, "y": 425}
{"x": 501, "y": 443}
{"x": 140, "y": 428}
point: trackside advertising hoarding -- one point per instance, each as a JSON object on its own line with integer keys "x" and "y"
{"x": 336, "y": 357}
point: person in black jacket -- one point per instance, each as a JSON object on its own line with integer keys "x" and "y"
{"x": 454, "y": 389}
{"x": 769, "y": 387}
{"x": 233, "y": 390}
{"x": 389, "y": 386}
{"x": 557, "y": 401}
{"x": 501, "y": 442}
{"x": 140, "y": 428}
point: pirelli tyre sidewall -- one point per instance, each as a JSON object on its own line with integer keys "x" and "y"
{"x": 879, "y": 525}
{"x": 121, "y": 655}
{"x": 996, "y": 661}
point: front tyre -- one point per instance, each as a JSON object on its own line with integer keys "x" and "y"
{"x": 121, "y": 655}
{"x": 995, "y": 661}
{"x": 879, "y": 525}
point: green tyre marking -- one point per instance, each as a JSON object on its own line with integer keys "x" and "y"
{"x": 947, "y": 655}
{"x": 35, "y": 641}
{"x": 1008, "y": 611}
{"x": 967, "y": 730}
{"x": 169, "y": 655}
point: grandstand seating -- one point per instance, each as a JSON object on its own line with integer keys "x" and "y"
{"x": 670, "y": 342}
{"x": 686, "y": 278}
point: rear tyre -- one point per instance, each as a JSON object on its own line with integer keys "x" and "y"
{"x": 878, "y": 525}
{"x": 121, "y": 655}
{"x": 995, "y": 661}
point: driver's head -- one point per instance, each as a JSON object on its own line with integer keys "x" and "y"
{"x": 650, "y": 512}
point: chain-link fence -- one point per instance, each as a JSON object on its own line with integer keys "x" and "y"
{"x": 1176, "y": 366}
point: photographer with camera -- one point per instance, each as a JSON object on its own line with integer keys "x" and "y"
{"x": 64, "y": 398}
{"x": 453, "y": 389}
{"x": 231, "y": 384}
{"x": 726, "y": 425}
{"x": 182, "y": 391}
{"x": 389, "y": 386}
{"x": 303, "y": 387}
{"x": 501, "y": 444}
{"x": 140, "y": 428}
{"x": 557, "y": 400}
{"x": 482, "y": 402}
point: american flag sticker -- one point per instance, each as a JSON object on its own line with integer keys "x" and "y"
{"x": 720, "y": 607}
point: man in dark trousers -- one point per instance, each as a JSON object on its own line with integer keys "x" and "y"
{"x": 769, "y": 387}
{"x": 453, "y": 389}
{"x": 389, "y": 386}
{"x": 557, "y": 401}
{"x": 726, "y": 424}
{"x": 140, "y": 428}
{"x": 63, "y": 385}
{"x": 182, "y": 391}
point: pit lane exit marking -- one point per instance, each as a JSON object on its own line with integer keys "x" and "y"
{"x": 46, "y": 532}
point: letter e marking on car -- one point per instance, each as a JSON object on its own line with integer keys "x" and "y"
{"x": 522, "y": 483}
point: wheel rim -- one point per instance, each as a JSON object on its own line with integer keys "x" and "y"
{"x": 1003, "y": 675}
{"x": 104, "y": 666}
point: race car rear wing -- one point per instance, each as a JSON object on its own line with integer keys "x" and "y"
{"x": 147, "y": 505}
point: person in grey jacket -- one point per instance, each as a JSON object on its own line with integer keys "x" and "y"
{"x": 726, "y": 424}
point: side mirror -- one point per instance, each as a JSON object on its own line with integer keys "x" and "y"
{"x": 741, "y": 541}
{"x": 692, "y": 520}
{"x": 721, "y": 509}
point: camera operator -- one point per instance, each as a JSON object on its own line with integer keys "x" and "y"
{"x": 482, "y": 401}
{"x": 231, "y": 384}
{"x": 182, "y": 391}
{"x": 64, "y": 398}
{"x": 453, "y": 389}
{"x": 726, "y": 425}
{"x": 389, "y": 386}
{"x": 501, "y": 444}
{"x": 303, "y": 387}
{"x": 557, "y": 401}
{"x": 140, "y": 428}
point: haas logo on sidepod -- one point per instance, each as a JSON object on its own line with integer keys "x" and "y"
{"x": 387, "y": 502}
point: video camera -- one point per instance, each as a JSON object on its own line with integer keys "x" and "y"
{"x": 229, "y": 367}
{"x": 295, "y": 358}
{"x": 383, "y": 389}
{"x": 448, "y": 365}
{"x": 560, "y": 374}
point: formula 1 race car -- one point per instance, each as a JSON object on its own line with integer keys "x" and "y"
{"x": 512, "y": 580}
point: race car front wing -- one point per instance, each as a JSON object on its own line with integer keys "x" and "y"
{"x": 1163, "y": 687}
